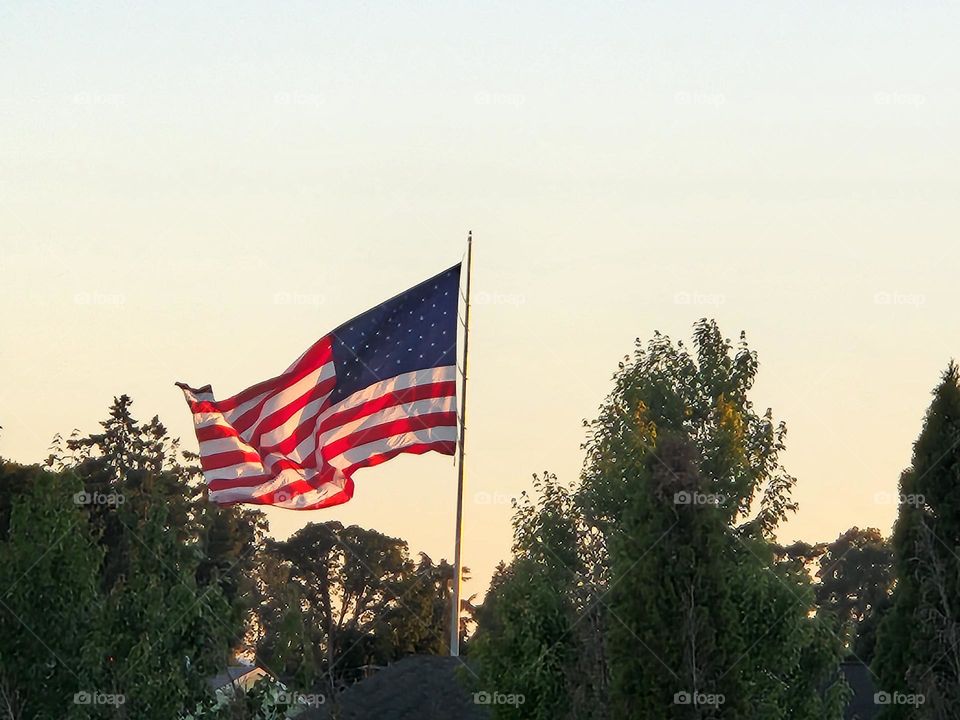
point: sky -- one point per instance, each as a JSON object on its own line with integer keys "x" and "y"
{"x": 198, "y": 191}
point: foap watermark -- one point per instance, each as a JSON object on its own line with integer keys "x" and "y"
{"x": 498, "y": 698}
{"x": 699, "y": 498}
{"x": 899, "y": 98}
{"x": 99, "y": 298}
{"x": 695, "y": 298}
{"x": 95, "y": 697}
{"x": 705, "y": 99}
{"x": 492, "y": 498}
{"x": 113, "y": 499}
{"x": 502, "y": 99}
{"x": 484, "y": 297}
{"x": 298, "y": 698}
{"x": 91, "y": 99}
{"x": 289, "y": 298}
{"x": 886, "y": 297}
{"x": 887, "y": 498}
{"x": 898, "y": 698}
{"x": 698, "y": 699}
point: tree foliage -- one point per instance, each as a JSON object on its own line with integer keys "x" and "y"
{"x": 854, "y": 583}
{"x": 124, "y": 590}
{"x": 918, "y": 652}
{"x": 49, "y": 594}
{"x": 336, "y": 599}
{"x": 524, "y": 642}
{"x": 130, "y": 589}
{"x": 655, "y": 589}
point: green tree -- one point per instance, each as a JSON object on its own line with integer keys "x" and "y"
{"x": 49, "y": 594}
{"x": 283, "y": 643}
{"x": 160, "y": 634}
{"x": 685, "y": 630}
{"x": 335, "y": 599}
{"x": 918, "y": 646}
{"x": 420, "y": 624}
{"x": 524, "y": 642}
{"x": 227, "y": 541}
{"x": 854, "y": 582}
{"x": 176, "y": 573}
{"x": 670, "y": 585}
{"x": 684, "y": 480}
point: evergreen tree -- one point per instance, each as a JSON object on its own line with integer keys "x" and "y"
{"x": 175, "y": 576}
{"x": 918, "y": 653}
{"x": 674, "y": 643}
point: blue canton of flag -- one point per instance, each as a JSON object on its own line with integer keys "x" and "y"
{"x": 414, "y": 330}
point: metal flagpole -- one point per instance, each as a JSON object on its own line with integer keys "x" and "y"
{"x": 455, "y": 606}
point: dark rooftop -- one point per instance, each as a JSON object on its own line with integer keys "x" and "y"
{"x": 424, "y": 687}
{"x": 420, "y": 687}
{"x": 233, "y": 674}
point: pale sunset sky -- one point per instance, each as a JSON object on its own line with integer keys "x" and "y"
{"x": 198, "y": 191}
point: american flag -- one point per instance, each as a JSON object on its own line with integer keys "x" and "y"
{"x": 379, "y": 385}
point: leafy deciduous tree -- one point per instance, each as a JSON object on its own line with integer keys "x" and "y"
{"x": 664, "y": 580}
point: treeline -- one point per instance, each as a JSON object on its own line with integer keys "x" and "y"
{"x": 123, "y": 591}
{"x": 120, "y": 590}
{"x": 655, "y": 587}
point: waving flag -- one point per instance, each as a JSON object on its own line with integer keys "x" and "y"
{"x": 379, "y": 385}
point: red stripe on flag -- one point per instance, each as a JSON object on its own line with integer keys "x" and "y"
{"x": 215, "y": 432}
{"x": 218, "y": 461}
{"x": 249, "y": 481}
